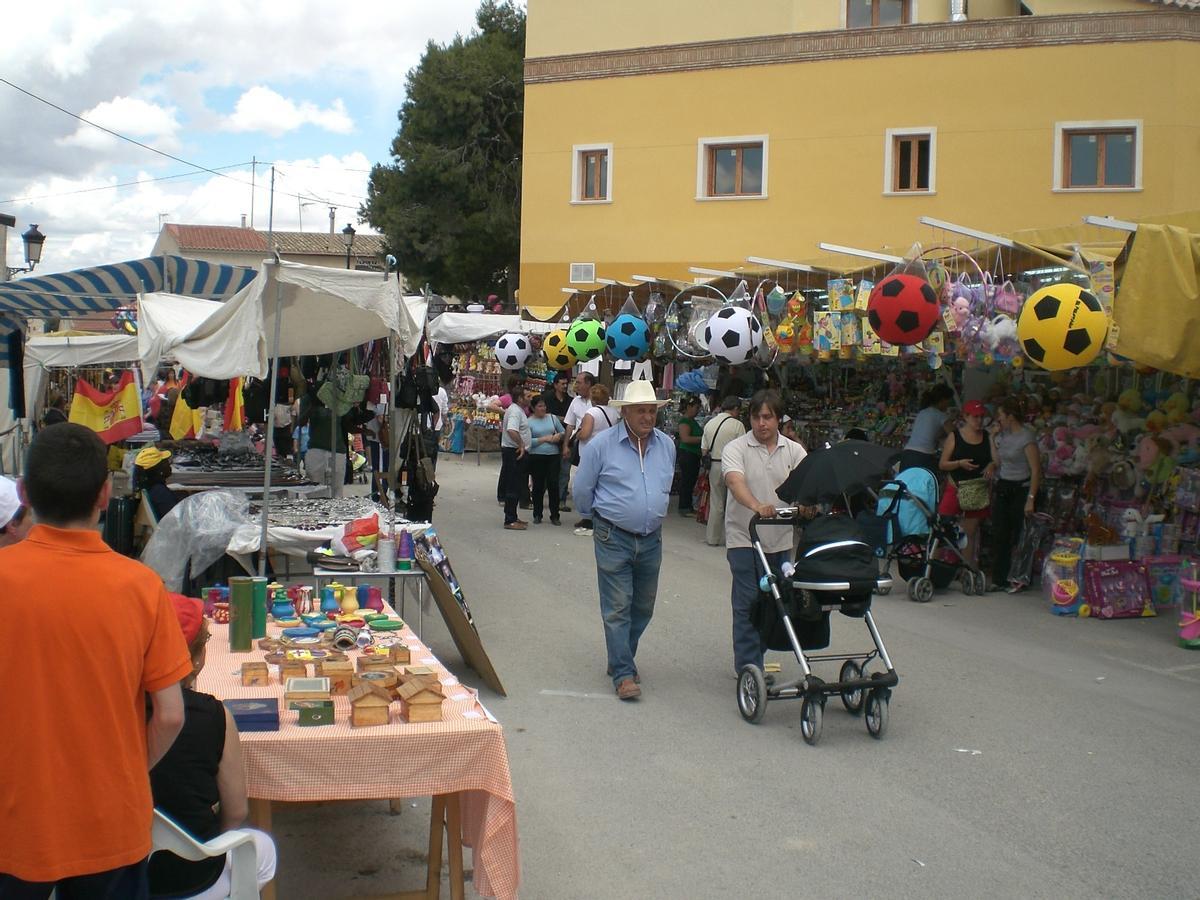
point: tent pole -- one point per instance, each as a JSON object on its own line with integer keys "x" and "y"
{"x": 269, "y": 445}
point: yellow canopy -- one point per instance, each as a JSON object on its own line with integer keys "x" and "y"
{"x": 1157, "y": 307}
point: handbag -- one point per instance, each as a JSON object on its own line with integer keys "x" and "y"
{"x": 706, "y": 459}
{"x": 973, "y": 494}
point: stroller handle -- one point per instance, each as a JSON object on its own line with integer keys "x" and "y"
{"x": 783, "y": 515}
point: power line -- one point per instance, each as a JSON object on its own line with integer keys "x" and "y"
{"x": 138, "y": 143}
{"x": 112, "y": 187}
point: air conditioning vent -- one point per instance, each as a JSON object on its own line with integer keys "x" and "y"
{"x": 583, "y": 273}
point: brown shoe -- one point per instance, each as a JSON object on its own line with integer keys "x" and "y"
{"x": 516, "y": 526}
{"x": 628, "y": 689}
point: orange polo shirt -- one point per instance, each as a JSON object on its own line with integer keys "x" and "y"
{"x": 84, "y": 633}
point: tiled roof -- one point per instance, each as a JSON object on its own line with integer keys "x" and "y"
{"x": 230, "y": 238}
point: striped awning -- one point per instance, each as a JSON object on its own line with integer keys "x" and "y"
{"x": 100, "y": 289}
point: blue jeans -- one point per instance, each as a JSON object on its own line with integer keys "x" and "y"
{"x": 746, "y": 570}
{"x": 564, "y": 480}
{"x": 627, "y": 571}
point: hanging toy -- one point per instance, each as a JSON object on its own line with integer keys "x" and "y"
{"x": 628, "y": 337}
{"x": 785, "y": 335}
{"x": 558, "y": 354}
{"x": 903, "y": 309}
{"x": 586, "y": 338}
{"x": 512, "y": 350}
{"x": 776, "y": 301}
{"x": 795, "y": 305}
{"x": 1062, "y": 326}
{"x": 732, "y": 335}
{"x": 125, "y": 319}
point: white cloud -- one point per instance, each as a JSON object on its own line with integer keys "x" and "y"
{"x": 262, "y": 109}
{"x": 146, "y": 121}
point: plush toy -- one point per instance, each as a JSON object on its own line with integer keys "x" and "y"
{"x": 1098, "y": 456}
{"x": 1126, "y": 417}
{"x": 1155, "y": 458}
{"x": 960, "y": 310}
{"x": 1186, "y": 438}
{"x": 1156, "y": 421}
{"x": 1176, "y": 408}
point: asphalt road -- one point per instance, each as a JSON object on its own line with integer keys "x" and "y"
{"x": 1026, "y": 756}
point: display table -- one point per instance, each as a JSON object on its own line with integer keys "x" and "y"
{"x": 322, "y": 577}
{"x": 462, "y": 762}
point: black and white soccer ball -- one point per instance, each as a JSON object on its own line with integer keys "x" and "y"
{"x": 732, "y": 335}
{"x": 512, "y": 350}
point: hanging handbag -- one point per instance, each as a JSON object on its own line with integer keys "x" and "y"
{"x": 973, "y": 494}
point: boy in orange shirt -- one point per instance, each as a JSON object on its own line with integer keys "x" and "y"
{"x": 75, "y": 806}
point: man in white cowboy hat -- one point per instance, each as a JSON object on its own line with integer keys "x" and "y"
{"x": 624, "y": 484}
{"x": 15, "y": 520}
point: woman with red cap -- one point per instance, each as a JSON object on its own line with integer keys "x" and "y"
{"x": 201, "y": 782}
{"x": 967, "y": 456}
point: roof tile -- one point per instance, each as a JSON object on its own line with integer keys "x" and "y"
{"x": 230, "y": 238}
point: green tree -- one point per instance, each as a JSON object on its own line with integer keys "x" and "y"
{"x": 449, "y": 204}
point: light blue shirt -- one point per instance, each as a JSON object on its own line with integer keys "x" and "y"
{"x": 622, "y": 486}
{"x": 546, "y": 426}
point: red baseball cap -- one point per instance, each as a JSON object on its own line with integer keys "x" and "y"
{"x": 190, "y": 613}
{"x": 974, "y": 408}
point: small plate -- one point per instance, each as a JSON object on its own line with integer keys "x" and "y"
{"x": 387, "y": 625}
{"x": 304, "y": 632}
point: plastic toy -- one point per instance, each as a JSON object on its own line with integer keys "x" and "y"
{"x": 1062, "y": 326}
{"x": 903, "y": 309}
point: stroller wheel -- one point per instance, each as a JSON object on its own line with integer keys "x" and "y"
{"x": 887, "y": 589}
{"x": 811, "y": 713}
{"x": 752, "y": 694}
{"x": 876, "y": 714}
{"x": 852, "y": 700}
{"x": 967, "y": 579}
{"x": 980, "y": 583}
{"x": 920, "y": 589}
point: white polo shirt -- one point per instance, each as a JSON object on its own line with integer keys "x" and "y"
{"x": 576, "y": 411}
{"x": 764, "y": 470}
{"x": 719, "y": 431}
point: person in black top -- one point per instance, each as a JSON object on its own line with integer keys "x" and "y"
{"x": 153, "y": 470}
{"x": 967, "y": 456}
{"x": 55, "y": 413}
{"x": 558, "y": 401}
{"x": 200, "y": 783}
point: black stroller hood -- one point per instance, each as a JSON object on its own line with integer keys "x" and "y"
{"x": 835, "y": 548}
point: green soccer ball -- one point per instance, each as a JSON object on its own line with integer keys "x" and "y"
{"x": 585, "y": 338}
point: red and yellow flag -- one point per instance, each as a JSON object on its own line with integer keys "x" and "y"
{"x": 185, "y": 421}
{"x": 235, "y": 417}
{"x": 114, "y": 415}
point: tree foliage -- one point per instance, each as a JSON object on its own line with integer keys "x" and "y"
{"x": 449, "y": 204}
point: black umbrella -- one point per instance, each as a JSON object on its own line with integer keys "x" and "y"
{"x": 841, "y": 470}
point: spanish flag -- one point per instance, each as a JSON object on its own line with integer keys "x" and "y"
{"x": 185, "y": 421}
{"x": 113, "y": 415}
{"x": 235, "y": 417}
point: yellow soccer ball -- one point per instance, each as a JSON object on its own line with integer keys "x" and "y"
{"x": 558, "y": 354}
{"x": 1062, "y": 326}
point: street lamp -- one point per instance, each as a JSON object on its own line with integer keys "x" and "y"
{"x": 348, "y": 240}
{"x": 33, "y": 240}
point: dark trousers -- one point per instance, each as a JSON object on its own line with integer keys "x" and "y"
{"x": 910, "y": 459}
{"x": 746, "y": 570}
{"x": 516, "y": 474}
{"x": 125, "y": 883}
{"x": 544, "y": 470}
{"x": 689, "y": 471}
{"x": 1008, "y": 515}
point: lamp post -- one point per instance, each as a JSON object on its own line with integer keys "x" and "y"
{"x": 33, "y": 240}
{"x": 348, "y": 240}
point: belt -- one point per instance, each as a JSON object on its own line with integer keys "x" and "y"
{"x": 605, "y": 521}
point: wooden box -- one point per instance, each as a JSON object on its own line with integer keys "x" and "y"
{"x": 292, "y": 668}
{"x": 421, "y": 700}
{"x": 388, "y": 679}
{"x": 399, "y": 654}
{"x": 296, "y": 689}
{"x": 420, "y": 672}
{"x": 314, "y": 712}
{"x": 375, "y": 661}
{"x": 369, "y": 705}
{"x": 255, "y": 674}
{"x": 340, "y": 673}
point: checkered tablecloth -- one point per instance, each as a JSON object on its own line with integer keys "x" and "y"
{"x": 464, "y": 752}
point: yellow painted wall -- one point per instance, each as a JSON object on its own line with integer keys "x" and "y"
{"x": 826, "y": 123}
{"x": 557, "y": 27}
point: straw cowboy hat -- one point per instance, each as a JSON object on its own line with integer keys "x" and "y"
{"x": 640, "y": 391}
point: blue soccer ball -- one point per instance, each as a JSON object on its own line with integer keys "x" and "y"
{"x": 628, "y": 338}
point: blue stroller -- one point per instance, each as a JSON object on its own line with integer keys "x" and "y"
{"x": 907, "y": 528}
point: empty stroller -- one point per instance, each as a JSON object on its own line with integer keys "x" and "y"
{"x": 907, "y": 528}
{"x": 835, "y": 569}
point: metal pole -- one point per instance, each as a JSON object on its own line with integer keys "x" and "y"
{"x": 270, "y": 442}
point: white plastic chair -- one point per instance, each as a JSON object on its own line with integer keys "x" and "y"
{"x": 239, "y": 844}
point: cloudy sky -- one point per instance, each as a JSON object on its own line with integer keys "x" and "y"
{"x": 311, "y": 87}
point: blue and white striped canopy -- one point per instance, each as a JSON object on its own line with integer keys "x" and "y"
{"x": 99, "y": 289}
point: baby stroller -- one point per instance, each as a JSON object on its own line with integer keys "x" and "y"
{"x": 907, "y": 528}
{"x": 835, "y": 570}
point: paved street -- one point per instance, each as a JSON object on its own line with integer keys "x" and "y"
{"x": 1027, "y": 755}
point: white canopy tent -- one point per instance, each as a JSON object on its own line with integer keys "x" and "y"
{"x": 309, "y": 310}
{"x": 461, "y": 328}
{"x": 68, "y": 351}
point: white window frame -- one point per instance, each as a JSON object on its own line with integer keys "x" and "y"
{"x": 571, "y": 272}
{"x": 889, "y": 143}
{"x": 1060, "y": 150}
{"x": 702, "y": 147}
{"x": 577, "y": 151}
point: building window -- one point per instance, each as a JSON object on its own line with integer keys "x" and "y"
{"x": 732, "y": 168}
{"x": 866, "y": 13}
{"x": 591, "y": 173}
{"x": 910, "y": 156}
{"x": 1098, "y": 156}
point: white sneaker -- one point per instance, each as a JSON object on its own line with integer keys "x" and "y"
{"x": 583, "y": 532}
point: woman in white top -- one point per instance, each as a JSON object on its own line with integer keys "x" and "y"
{"x": 598, "y": 417}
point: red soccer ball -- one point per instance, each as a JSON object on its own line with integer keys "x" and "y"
{"x": 903, "y": 309}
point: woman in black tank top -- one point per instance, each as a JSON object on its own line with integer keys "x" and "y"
{"x": 967, "y": 454}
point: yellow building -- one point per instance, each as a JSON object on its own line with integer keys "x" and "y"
{"x": 661, "y": 134}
